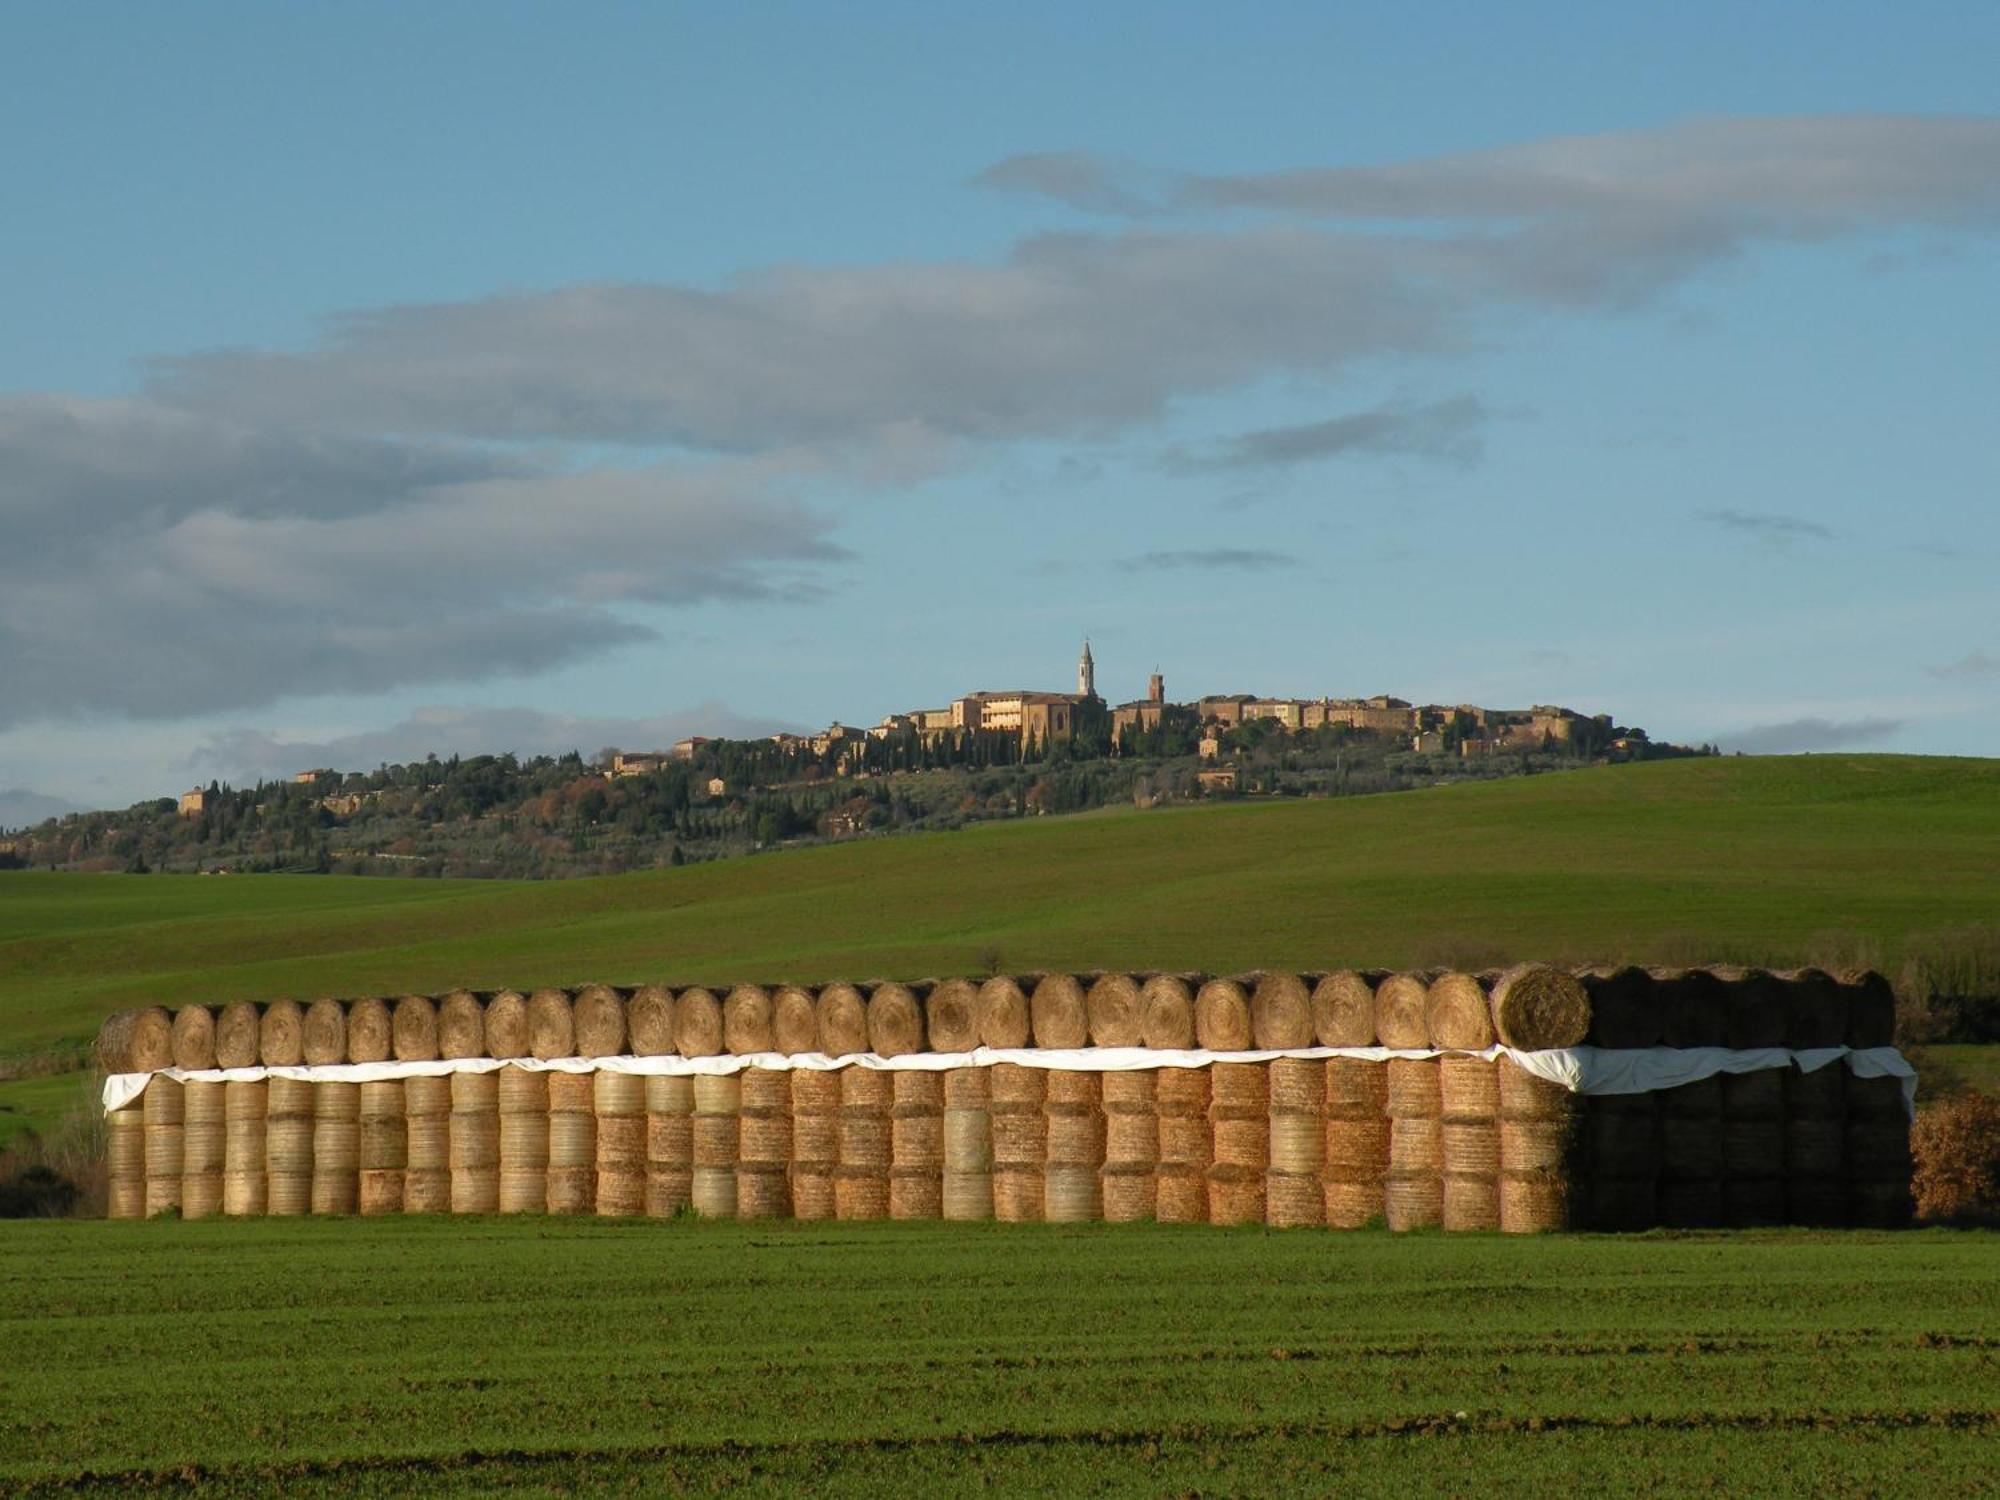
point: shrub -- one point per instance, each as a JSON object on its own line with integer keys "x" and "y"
{"x": 1956, "y": 1143}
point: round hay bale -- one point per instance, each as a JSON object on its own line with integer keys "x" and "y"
{"x": 1624, "y": 1012}
{"x": 162, "y": 1107}
{"x": 371, "y": 1031}
{"x": 1243, "y": 1144}
{"x": 1528, "y": 1096}
{"x": 1235, "y": 1195}
{"x": 1020, "y": 1139}
{"x": 968, "y": 1088}
{"x": 1535, "y": 1203}
{"x": 1293, "y": 1201}
{"x": 461, "y": 1025}
{"x": 1239, "y": 1091}
{"x": 1281, "y": 1013}
{"x": 1004, "y": 1019}
{"x": 1222, "y": 1017}
{"x": 760, "y": 1194}
{"x": 413, "y": 1029}
{"x": 895, "y": 1021}
{"x": 1469, "y": 1203}
{"x": 1129, "y": 1092}
{"x": 1400, "y": 1005}
{"x": 1017, "y": 1195}
{"x": 967, "y": 1141}
{"x": 1065, "y": 1089}
{"x": 1297, "y": 1086}
{"x": 860, "y": 1195}
{"x": 597, "y": 1021}
{"x": 1182, "y": 1092}
{"x": 427, "y": 1183}
{"x": 1056, "y": 1014}
{"x": 967, "y": 1196}
{"x": 1357, "y": 1150}
{"x": 1015, "y": 1088}
{"x": 1343, "y": 1008}
{"x": 551, "y": 1024}
{"x": 951, "y": 1016}
{"x": 202, "y": 1149}
{"x": 1416, "y": 1146}
{"x": 1695, "y": 1204}
{"x": 151, "y": 1044}
{"x": 1413, "y": 1202}
{"x": 238, "y": 1040}
{"x": 794, "y": 1025}
{"x": 815, "y": 1195}
{"x": 1186, "y": 1141}
{"x": 1355, "y": 1204}
{"x": 280, "y": 1035}
{"x": 1469, "y": 1148}
{"x": 1070, "y": 1195}
{"x": 1690, "y": 1148}
{"x": 323, "y": 1034}
{"x": 766, "y": 1091}
{"x": 244, "y": 1164}
{"x": 1693, "y": 1006}
{"x": 1457, "y": 1013}
{"x": 507, "y": 1025}
{"x": 1129, "y": 1194}
{"x": 1298, "y": 1144}
{"x": 870, "y": 1089}
{"x": 1755, "y": 1007}
{"x": 1541, "y": 1145}
{"x": 1132, "y": 1140}
{"x": 475, "y": 1143}
{"x": 1166, "y": 1014}
{"x": 1623, "y": 1131}
{"x": 1180, "y": 1195}
{"x": 336, "y": 1148}
{"x": 1415, "y": 1088}
{"x": 1468, "y": 1088}
{"x": 916, "y": 1144}
{"x": 1537, "y": 1007}
{"x": 1356, "y": 1088}
{"x": 113, "y": 1049}
{"x": 712, "y": 1192}
{"x": 1075, "y": 1139}
{"x": 1816, "y": 1010}
{"x": 746, "y": 1020}
{"x": 649, "y": 1021}
{"x": 194, "y": 1037}
{"x": 1871, "y": 1008}
{"x": 843, "y": 1021}
{"x": 1115, "y": 1012}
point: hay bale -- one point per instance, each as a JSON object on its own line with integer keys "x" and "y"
{"x": 1020, "y": 1141}
{"x": 1017, "y": 1195}
{"x": 794, "y": 1025}
{"x": 1469, "y": 1202}
{"x": 1413, "y": 1202}
{"x": 461, "y": 1025}
{"x": 861, "y": 1184}
{"x": 1871, "y": 1008}
{"x": 815, "y": 1143}
{"x": 951, "y": 1016}
{"x": 1754, "y": 1096}
{"x": 669, "y": 1146}
{"x": 1690, "y": 1146}
{"x": 1296, "y": 1086}
{"x": 202, "y": 1135}
{"x": 143, "y": 1040}
{"x": 1815, "y": 1010}
{"x": 413, "y": 1028}
{"x": 551, "y": 1024}
{"x": 1468, "y": 1088}
{"x": 649, "y": 1021}
{"x": 967, "y": 1187}
{"x": 572, "y": 1170}
{"x": 194, "y": 1037}
{"x": 323, "y": 1033}
{"x": 125, "y": 1161}
{"x": 1166, "y": 1014}
{"x": 916, "y": 1146}
{"x": 1182, "y": 1093}
{"x": 1357, "y": 1150}
{"x": 1458, "y": 1013}
{"x": 113, "y": 1048}
{"x": 842, "y": 1017}
{"x": 507, "y": 1025}
{"x": 280, "y": 1035}
{"x": 1128, "y": 1195}
{"x": 1294, "y": 1201}
{"x": 523, "y": 1108}
{"x": 1624, "y": 1012}
{"x": 1528, "y": 1096}
{"x": 475, "y": 1143}
{"x": 1623, "y": 1136}
{"x": 1469, "y": 1147}
{"x": 244, "y": 1187}
{"x": 968, "y": 1088}
{"x": 1180, "y": 1195}
{"x": 1755, "y": 1007}
{"x": 895, "y": 1021}
{"x": 1071, "y": 1195}
{"x": 746, "y": 1020}
{"x": 1281, "y": 1012}
{"x": 1298, "y": 1144}
{"x": 619, "y": 1102}
{"x": 336, "y": 1148}
{"x": 427, "y": 1107}
{"x": 1343, "y": 1009}
{"x": 237, "y": 1040}
{"x": 1222, "y": 1016}
{"x": 164, "y": 1107}
{"x": 1753, "y": 1202}
{"x": 1415, "y": 1088}
{"x": 1693, "y": 1006}
{"x": 1537, "y": 1202}
{"x": 1056, "y": 1014}
{"x": 597, "y": 1018}
{"x": 288, "y": 1150}
{"x": 371, "y": 1032}
{"x": 1623, "y": 1205}
{"x": 1692, "y": 1204}
{"x": 1004, "y": 1019}
{"x": 1356, "y": 1203}
{"x": 1537, "y": 1007}
{"x": 1356, "y": 1089}
{"x": 1401, "y": 1005}
{"x": 1114, "y": 1011}
{"x": 385, "y": 1148}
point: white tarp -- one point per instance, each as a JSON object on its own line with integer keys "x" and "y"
{"x": 1581, "y": 1070}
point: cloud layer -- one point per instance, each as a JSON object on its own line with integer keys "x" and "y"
{"x": 1795, "y": 736}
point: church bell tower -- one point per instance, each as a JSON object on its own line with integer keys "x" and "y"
{"x": 1086, "y": 673}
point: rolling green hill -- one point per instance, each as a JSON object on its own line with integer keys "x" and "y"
{"x": 1766, "y": 859}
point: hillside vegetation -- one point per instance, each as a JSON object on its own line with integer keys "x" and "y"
{"x": 1774, "y": 859}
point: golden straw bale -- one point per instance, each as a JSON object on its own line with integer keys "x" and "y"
{"x": 1871, "y": 1008}
{"x": 1057, "y": 1017}
{"x": 162, "y": 1106}
{"x": 202, "y": 1150}
{"x": 152, "y": 1041}
{"x": 1070, "y": 1195}
{"x": 1400, "y": 1011}
{"x": 1537, "y": 1007}
{"x": 712, "y": 1192}
{"x": 746, "y": 1020}
{"x": 551, "y": 1024}
{"x": 1063, "y": 1088}
{"x": 573, "y": 1190}
{"x": 916, "y": 1192}
{"x": 1132, "y": 1139}
{"x": 475, "y": 1143}
{"x": 765, "y": 1090}
{"x": 614, "y": 1094}
{"x": 194, "y": 1037}
{"x": 1013, "y": 1086}
{"x": 916, "y": 1093}
{"x": 815, "y": 1195}
{"x": 1457, "y": 1012}
{"x": 1182, "y": 1091}
{"x": 916, "y": 1143}
{"x": 1020, "y": 1138}
{"x": 843, "y": 1020}
{"x": 598, "y": 1022}
{"x": 1469, "y": 1203}
{"x": 1356, "y": 1088}
{"x": 413, "y": 1029}
{"x": 1469, "y": 1148}
{"x": 427, "y": 1103}
{"x": 760, "y": 1194}
{"x": 1416, "y": 1146}
{"x": 895, "y": 1021}
{"x": 765, "y": 1140}
{"x": 1343, "y": 1008}
{"x": 113, "y": 1048}
{"x": 1222, "y": 1017}
{"x": 1755, "y": 1007}
{"x": 1468, "y": 1087}
{"x": 1816, "y": 1010}
{"x": 1415, "y": 1088}
{"x": 649, "y": 1021}
{"x": 1540, "y": 1145}
{"x": 1074, "y": 1139}
{"x": 1527, "y": 1096}
{"x": 861, "y": 1193}
{"x": 1166, "y": 1013}
{"x": 1281, "y": 1012}
{"x": 951, "y": 1016}
{"x": 1238, "y": 1090}
{"x": 1129, "y": 1091}
{"x": 1624, "y": 1011}
{"x": 461, "y": 1025}
{"x": 1297, "y": 1086}
{"x": 794, "y": 1026}
{"x": 323, "y": 1033}
{"x": 1294, "y": 1201}
{"x": 336, "y": 1148}
{"x": 968, "y": 1088}
{"x": 1235, "y": 1195}
{"x": 522, "y": 1091}
{"x": 1692, "y": 1005}
{"x": 1003, "y": 1013}
{"x": 1353, "y": 1205}
{"x": 1018, "y": 1194}
{"x": 279, "y": 1035}
{"x": 1114, "y": 1010}
{"x": 1298, "y": 1143}
{"x": 371, "y": 1034}
{"x": 243, "y": 1158}
{"x": 1535, "y": 1202}
{"x": 1180, "y": 1195}
{"x": 1413, "y": 1202}
{"x": 669, "y": 1145}
{"x": 1185, "y": 1140}
{"x": 867, "y": 1088}
{"x": 237, "y": 1040}
{"x": 1242, "y": 1143}
{"x": 967, "y": 1141}
{"x": 1129, "y": 1193}
{"x": 385, "y": 1132}
{"x": 507, "y": 1025}
{"x": 967, "y": 1195}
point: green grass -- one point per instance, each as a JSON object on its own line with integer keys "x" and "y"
{"x": 42, "y": 1104}
{"x": 1753, "y": 858}
{"x": 471, "y": 1355}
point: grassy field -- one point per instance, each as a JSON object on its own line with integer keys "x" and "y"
{"x": 473, "y": 1355}
{"x": 1752, "y": 858}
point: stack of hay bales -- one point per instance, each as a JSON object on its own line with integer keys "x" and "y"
{"x": 1458, "y": 1013}
{"x": 1876, "y": 1147}
{"x": 1294, "y": 1186}
{"x": 1357, "y": 1097}
{"x": 1413, "y": 1192}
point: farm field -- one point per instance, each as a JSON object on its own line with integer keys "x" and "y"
{"x": 547, "y": 1356}
{"x": 1756, "y": 859}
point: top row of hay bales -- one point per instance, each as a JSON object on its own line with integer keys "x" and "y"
{"x": 1530, "y": 1006}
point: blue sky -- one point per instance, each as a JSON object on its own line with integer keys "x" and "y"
{"x": 381, "y": 379}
